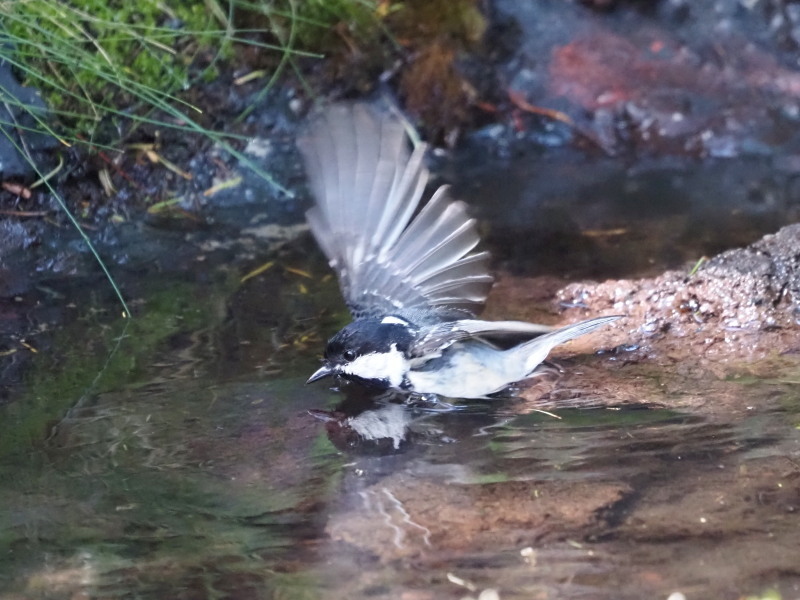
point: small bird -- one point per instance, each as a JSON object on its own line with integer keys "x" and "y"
{"x": 411, "y": 280}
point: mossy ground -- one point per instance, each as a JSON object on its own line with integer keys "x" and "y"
{"x": 104, "y": 66}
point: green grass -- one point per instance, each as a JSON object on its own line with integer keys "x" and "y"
{"x": 105, "y": 68}
{"x": 96, "y": 60}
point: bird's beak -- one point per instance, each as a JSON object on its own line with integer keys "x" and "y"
{"x": 324, "y": 371}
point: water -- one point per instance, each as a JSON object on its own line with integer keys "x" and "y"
{"x": 198, "y": 465}
{"x": 200, "y": 490}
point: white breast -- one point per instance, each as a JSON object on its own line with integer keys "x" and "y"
{"x": 467, "y": 371}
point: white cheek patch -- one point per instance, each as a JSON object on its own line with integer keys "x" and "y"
{"x": 391, "y": 366}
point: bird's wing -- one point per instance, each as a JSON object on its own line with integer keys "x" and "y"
{"x": 436, "y": 338}
{"x": 367, "y": 187}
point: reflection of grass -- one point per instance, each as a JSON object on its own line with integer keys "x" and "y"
{"x": 99, "y": 357}
{"x": 598, "y": 417}
{"x": 152, "y": 489}
{"x": 118, "y": 469}
{"x": 97, "y": 353}
{"x": 489, "y": 478}
{"x": 154, "y": 530}
{"x": 769, "y": 594}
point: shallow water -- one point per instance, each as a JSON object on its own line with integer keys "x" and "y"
{"x": 198, "y": 471}
{"x": 180, "y": 454}
{"x": 202, "y": 493}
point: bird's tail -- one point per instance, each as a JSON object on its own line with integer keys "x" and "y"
{"x": 535, "y": 351}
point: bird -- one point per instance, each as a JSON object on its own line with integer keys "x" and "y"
{"x": 410, "y": 276}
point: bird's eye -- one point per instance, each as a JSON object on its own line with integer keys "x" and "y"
{"x": 348, "y": 355}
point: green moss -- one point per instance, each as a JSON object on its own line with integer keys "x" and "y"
{"x": 317, "y": 19}
{"x": 87, "y": 56}
{"x": 489, "y": 478}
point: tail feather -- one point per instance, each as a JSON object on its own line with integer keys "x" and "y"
{"x": 538, "y": 348}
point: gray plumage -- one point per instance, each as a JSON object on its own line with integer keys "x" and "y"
{"x": 410, "y": 276}
{"x": 368, "y": 186}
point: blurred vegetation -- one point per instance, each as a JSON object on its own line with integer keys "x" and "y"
{"x": 110, "y": 359}
{"x": 105, "y": 65}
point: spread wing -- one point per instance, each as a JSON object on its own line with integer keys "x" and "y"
{"x": 443, "y": 335}
{"x": 367, "y": 187}
{"x": 439, "y": 337}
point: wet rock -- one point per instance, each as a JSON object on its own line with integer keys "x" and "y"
{"x": 707, "y": 79}
{"x": 15, "y": 238}
{"x": 774, "y": 261}
{"x": 742, "y": 304}
{"x": 18, "y": 109}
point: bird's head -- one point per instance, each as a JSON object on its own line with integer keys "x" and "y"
{"x": 371, "y": 351}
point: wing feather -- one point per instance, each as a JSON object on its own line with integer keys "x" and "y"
{"x": 367, "y": 186}
{"x": 474, "y": 265}
{"x": 445, "y": 288}
{"x": 437, "y": 338}
{"x": 445, "y": 252}
{"x": 403, "y": 199}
